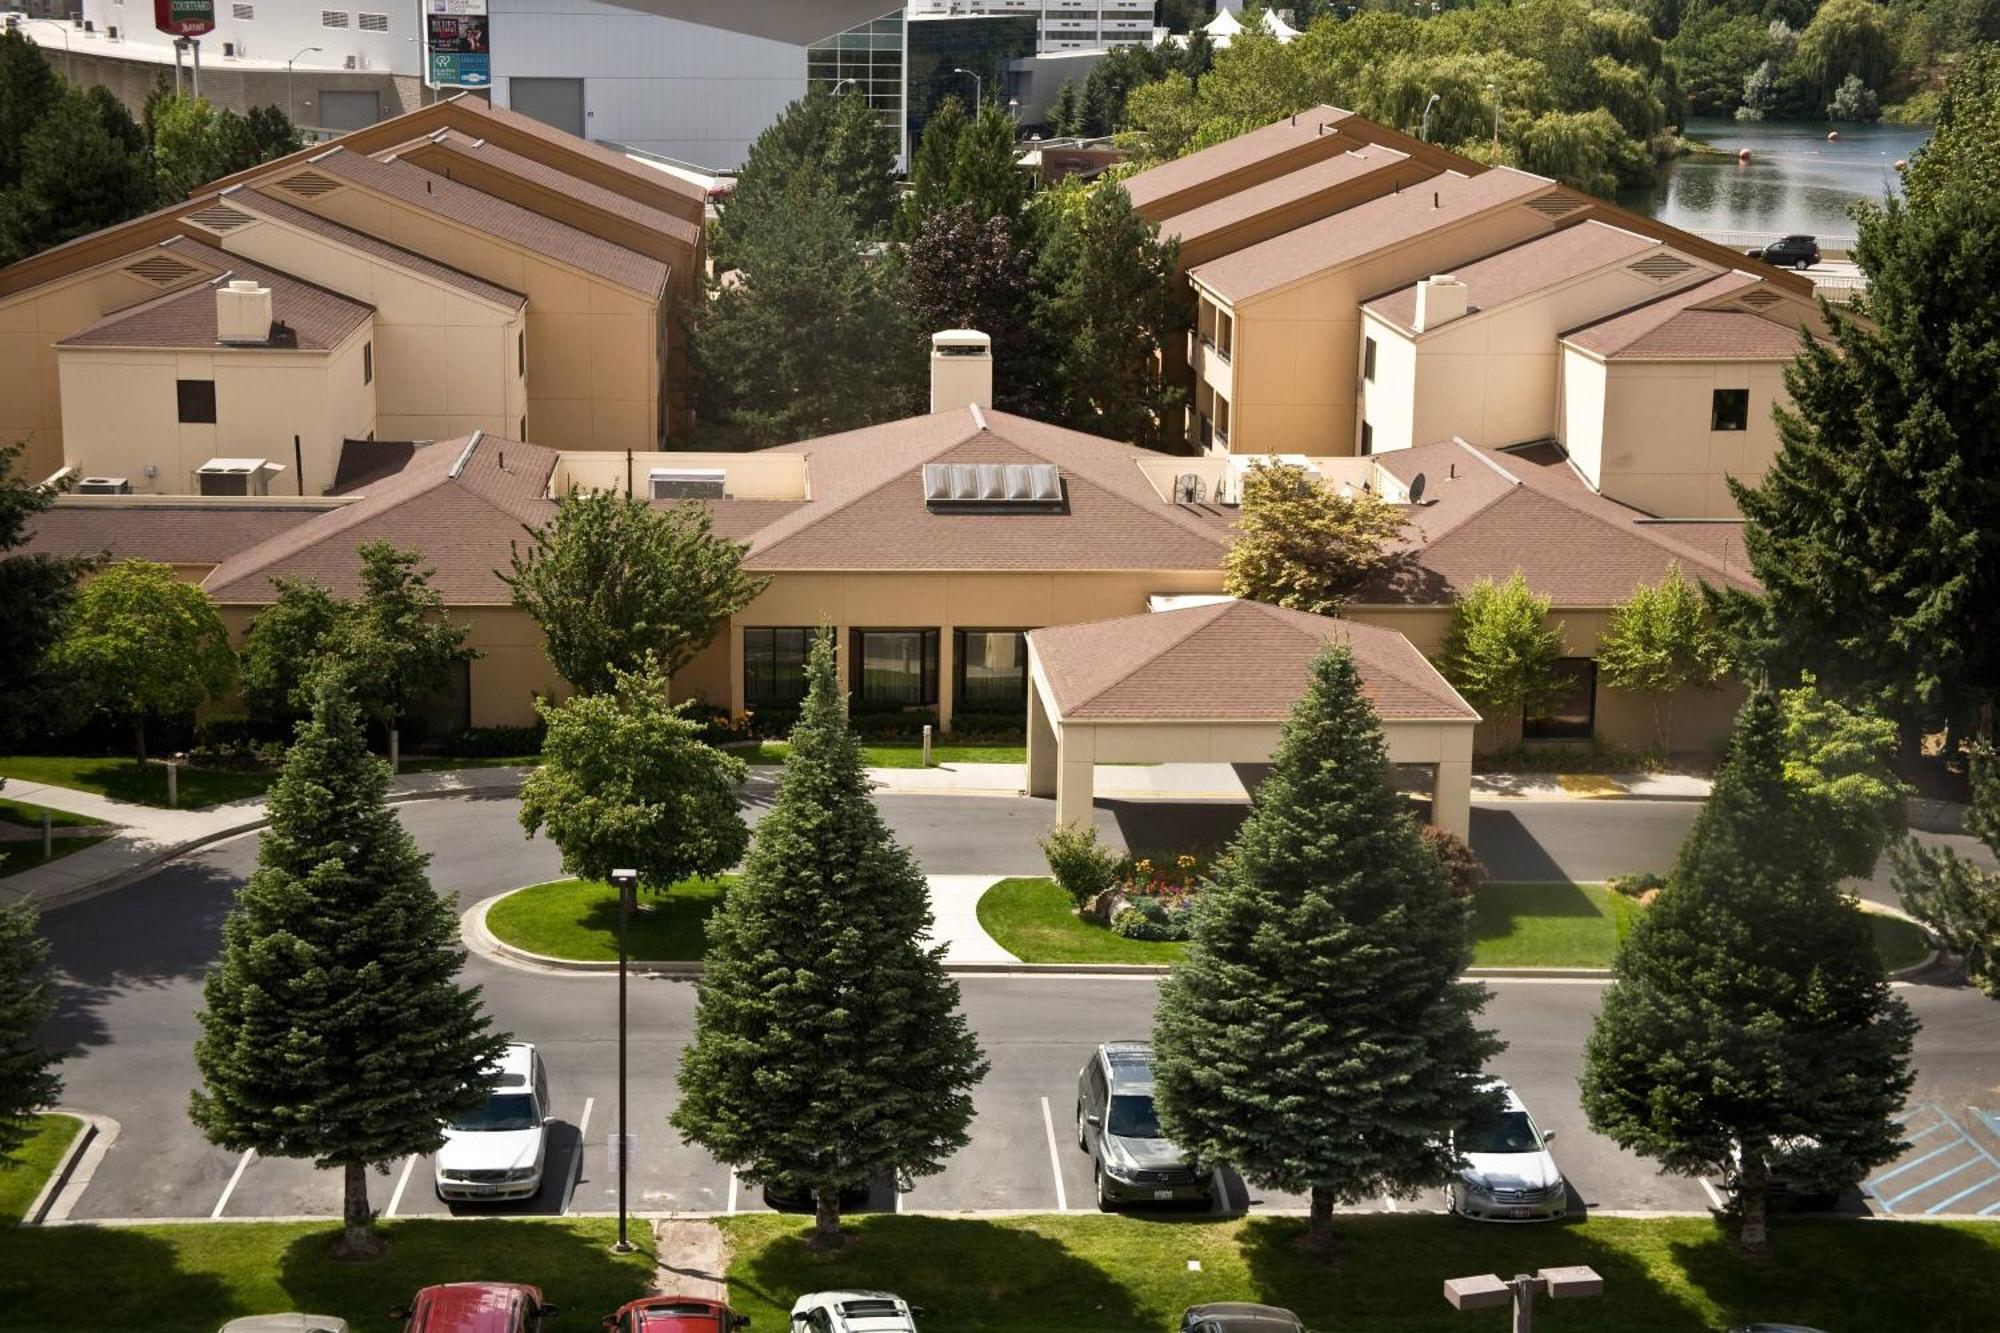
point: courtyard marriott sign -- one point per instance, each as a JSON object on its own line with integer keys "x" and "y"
{"x": 184, "y": 18}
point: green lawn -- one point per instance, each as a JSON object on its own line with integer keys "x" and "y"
{"x": 1123, "y": 1275}
{"x": 18, "y": 856}
{"x": 1548, "y": 925}
{"x": 128, "y": 780}
{"x": 22, "y": 1178}
{"x": 578, "y": 919}
{"x": 1032, "y": 919}
{"x": 193, "y": 1279}
{"x": 445, "y": 764}
{"x": 901, "y": 754}
{"x": 1901, "y": 943}
{"x": 30, "y": 816}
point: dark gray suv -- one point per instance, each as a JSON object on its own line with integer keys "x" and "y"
{"x": 1115, "y": 1124}
{"x": 1239, "y": 1317}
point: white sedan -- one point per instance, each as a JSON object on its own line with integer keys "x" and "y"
{"x": 853, "y": 1312}
{"x": 1508, "y": 1175}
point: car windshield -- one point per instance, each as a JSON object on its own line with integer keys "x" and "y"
{"x": 1132, "y": 1118}
{"x": 1509, "y": 1131}
{"x": 502, "y": 1111}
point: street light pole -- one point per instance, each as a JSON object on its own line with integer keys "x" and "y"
{"x": 978, "y": 89}
{"x": 627, "y": 884}
{"x": 291, "y": 100}
{"x": 62, "y": 28}
{"x": 1425, "y": 132}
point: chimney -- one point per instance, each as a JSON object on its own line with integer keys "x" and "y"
{"x": 242, "y": 313}
{"x": 1440, "y": 300}
{"x": 961, "y": 370}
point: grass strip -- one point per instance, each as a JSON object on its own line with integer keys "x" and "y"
{"x": 1031, "y": 918}
{"x": 22, "y": 1176}
{"x": 130, "y": 780}
{"x": 578, "y": 919}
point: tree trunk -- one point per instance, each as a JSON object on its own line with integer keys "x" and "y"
{"x": 1319, "y": 1223}
{"x": 357, "y": 1224}
{"x": 1752, "y": 1191}
{"x": 1663, "y": 724}
{"x": 139, "y": 736}
{"x": 826, "y": 1218}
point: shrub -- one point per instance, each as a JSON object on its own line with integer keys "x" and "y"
{"x": 1149, "y": 918}
{"x": 970, "y": 725}
{"x": 494, "y": 742}
{"x": 1082, "y": 867}
{"x": 771, "y": 722}
{"x": 1463, "y": 871}
{"x": 1636, "y": 886}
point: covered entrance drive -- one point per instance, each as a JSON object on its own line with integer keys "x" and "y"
{"x": 1213, "y": 684}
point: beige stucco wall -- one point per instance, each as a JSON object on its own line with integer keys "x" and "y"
{"x": 1651, "y": 446}
{"x": 758, "y": 476}
{"x": 121, "y": 411}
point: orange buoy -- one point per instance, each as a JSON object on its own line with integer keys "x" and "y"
{"x": 1743, "y": 155}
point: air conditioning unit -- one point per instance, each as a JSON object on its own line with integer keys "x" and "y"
{"x": 234, "y": 476}
{"x": 112, "y": 32}
{"x": 104, "y": 486}
{"x": 353, "y": 62}
{"x": 228, "y": 50}
{"x": 686, "y": 483}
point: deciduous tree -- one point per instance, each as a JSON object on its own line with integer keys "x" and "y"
{"x": 333, "y": 1026}
{"x": 28, "y": 1081}
{"x": 1304, "y": 545}
{"x": 828, "y": 1047}
{"x": 1841, "y": 763}
{"x": 1749, "y": 1010}
{"x": 287, "y": 642}
{"x": 1316, "y": 1036}
{"x": 962, "y": 271}
{"x": 396, "y": 643}
{"x": 1500, "y": 651}
{"x": 626, "y": 782}
{"x": 1661, "y": 640}
{"x": 612, "y": 581}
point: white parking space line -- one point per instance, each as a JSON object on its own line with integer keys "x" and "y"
{"x": 230, "y": 1188}
{"x": 1710, "y": 1190}
{"x": 583, "y": 1124}
{"x": 1055, "y": 1159}
{"x": 402, "y": 1183}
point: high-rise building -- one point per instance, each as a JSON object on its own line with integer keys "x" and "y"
{"x": 1060, "y": 25}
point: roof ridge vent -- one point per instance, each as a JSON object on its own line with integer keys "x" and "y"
{"x": 465, "y": 455}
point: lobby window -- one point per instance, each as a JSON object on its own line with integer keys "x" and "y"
{"x": 895, "y": 668}
{"x": 196, "y": 399}
{"x": 368, "y": 363}
{"x": 990, "y": 669}
{"x": 1573, "y": 717}
{"x": 774, "y": 665}
{"x": 1368, "y": 360}
{"x": 1729, "y": 410}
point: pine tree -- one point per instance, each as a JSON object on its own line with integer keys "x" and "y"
{"x": 823, "y": 144}
{"x": 333, "y": 1027}
{"x": 1093, "y": 114}
{"x": 76, "y": 176}
{"x": 28, "y": 1080}
{"x": 828, "y": 1045}
{"x": 1062, "y": 114}
{"x": 29, "y": 90}
{"x": 1749, "y": 1010}
{"x": 1956, "y": 897}
{"x": 1315, "y": 1036}
{"x": 985, "y": 173}
{"x": 932, "y": 165}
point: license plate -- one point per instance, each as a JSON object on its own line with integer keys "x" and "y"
{"x": 1163, "y": 1194}
{"x": 1520, "y": 1212}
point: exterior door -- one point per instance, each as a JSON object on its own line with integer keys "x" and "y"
{"x": 557, "y": 102}
{"x": 347, "y": 110}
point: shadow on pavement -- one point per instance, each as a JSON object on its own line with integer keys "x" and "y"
{"x": 1508, "y": 849}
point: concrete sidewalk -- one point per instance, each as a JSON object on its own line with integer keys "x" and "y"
{"x": 1231, "y": 782}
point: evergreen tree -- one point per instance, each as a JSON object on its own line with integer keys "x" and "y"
{"x": 964, "y": 272}
{"x": 828, "y": 1045}
{"x": 933, "y": 164}
{"x": 984, "y": 173}
{"x": 29, "y": 90}
{"x": 1064, "y": 111}
{"x": 35, "y": 595}
{"x": 28, "y": 1081}
{"x": 333, "y": 1026}
{"x": 1093, "y": 114}
{"x": 1957, "y": 898}
{"x": 1315, "y": 1036}
{"x": 1963, "y": 153}
{"x": 821, "y": 144}
{"x": 76, "y": 176}
{"x": 1749, "y": 1009}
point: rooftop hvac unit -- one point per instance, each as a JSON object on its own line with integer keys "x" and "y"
{"x": 352, "y": 62}
{"x": 234, "y": 476}
{"x": 228, "y": 49}
{"x": 665, "y": 483}
{"x": 112, "y": 32}
{"x": 104, "y": 486}
{"x": 1190, "y": 489}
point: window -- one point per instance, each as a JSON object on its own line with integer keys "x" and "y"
{"x": 774, "y": 665}
{"x": 1574, "y": 715}
{"x": 524, "y": 428}
{"x": 368, "y": 363}
{"x": 1367, "y": 439}
{"x": 521, "y": 354}
{"x": 373, "y": 22}
{"x": 243, "y": 13}
{"x": 1368, "y": 359}
{"x": 990, "y": 670}
{"x": 1730, "y": 410}
{"x": 196, "y": 400}
{"x": 895, "y": 668}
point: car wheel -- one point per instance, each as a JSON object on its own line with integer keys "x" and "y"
{"x": 1082, "y": 1142}
{"x": 1804, "y": 264}
{"x": 1105, "y": 1203}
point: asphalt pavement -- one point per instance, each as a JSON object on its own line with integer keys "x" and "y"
{"x": 130, "y": 965}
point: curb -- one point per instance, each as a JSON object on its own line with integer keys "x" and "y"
{"x": 94, "y": 1127}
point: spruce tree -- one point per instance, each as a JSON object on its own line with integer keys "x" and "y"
{"x": 1748, "y": 1009}
{"x": 333, "y": 1027}
{"x": 932, "y": 164}
{"x": 828, "y": 1046}
{"x": 985, "y": 173}
{"x": 28, "y": 1080}
{"x": 1063, "y": 111}
{"x": 1315, "y": 1036}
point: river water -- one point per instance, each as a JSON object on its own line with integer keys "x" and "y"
{"x": 1795, "y": 181}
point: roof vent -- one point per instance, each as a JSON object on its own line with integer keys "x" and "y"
{"x": 1441, "y": 298}
{"x": 666, "y": 483}
{"x": 1759, "y": 299}
{"x": 961, "y": 369}
{"x": 219, "y": 218}
{"x": 992, "y": 485}
{"x": 1556, "y": 204}
{"x": 243, "y": 312}
{"x": 160, "y": 270}
{"x": 1662, "y": 267}
{"x": 310, "y": 184}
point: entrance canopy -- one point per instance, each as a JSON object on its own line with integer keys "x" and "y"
{"x": 1213, "y": 684}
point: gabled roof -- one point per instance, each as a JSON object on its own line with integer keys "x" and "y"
{"x": 1318, "y": 247}
{"x": 173, "y": 532}
{"x": 320, "y": 319}
{"x": 1533, "y": 266}
{"x": 271, "y": 206}
{"x": 1293, "y": 187}
{"x": 1709, "y": 322}
{"x": 1528, "y": 510}
{"x": 1245, "y": 152}
{"x": 493, "y": 216}
{"x": 460, "y": 502}
{"x": 867, "y": 509}
{"x": 1229, "y": 661}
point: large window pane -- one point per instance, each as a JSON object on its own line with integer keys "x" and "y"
{"x": 992, "y": 669}
{"x": 774, "y": 665}
{"x": 896, "y": 667}
{"x": 1574, "y": 716}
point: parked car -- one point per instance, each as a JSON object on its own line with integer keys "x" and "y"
{"x": 286, "y": 1323}
{"x": 1508, "y": 1175}
{"x": 1772, "y": 1328}
{"x": 496, "y": 1150}
{"x": 1239, "y": 1317}
{"x": 853, "y": 1312}
{"x": 1132, "y": 1161}
{"x": 1790, "y": 252}
{"x": 788, "y": 1196}
{"x": 675, "y": 1314}
{"x": 1798, "y": 1178}
{"x": 476, "y": 1307}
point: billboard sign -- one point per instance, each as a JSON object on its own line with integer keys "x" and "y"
{"x": 456, "y": 54}
{"x": 184, "y": 18}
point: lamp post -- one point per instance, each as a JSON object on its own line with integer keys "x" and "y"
{"x": 1487, "y": 1292}
{"x": 1495, "y": 90}
{"x": 1425, "y": 132}
{"x": 291, "y": 101}
{"x": 978, "y": 88}
{"x": 835, "y": 90}
{"x": 627, "y": 884}
{"x": 62, "y": 28}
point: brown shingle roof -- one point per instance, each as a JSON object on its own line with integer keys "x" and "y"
{"x": 561, "y": 182}
{"x": 321, "y": 319}
{"x": 1318, "y": 247}
{"x": 1291, "y": 188}
{"x": 1529, "y": 512}
{"x": 1225, "y": 159}
{"x": 1523, "y": 269}
{"x": 461, "y": 517}
{"x": 1676, "y": 327}
{"x": 270, "y": 206}
{"x": 1235, "y": 661}
{"x": 867, "y": 509}
{"x": 481, "y": 108}
{"x": 169, "y": 532}
{"x": 496, "y": 217}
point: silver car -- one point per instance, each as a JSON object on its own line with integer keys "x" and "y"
{"x": 1134, "y": 1162}
{"x": 1508, "y": 1175}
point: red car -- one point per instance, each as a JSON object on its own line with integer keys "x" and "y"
{"x": 675, "y": 1314}
{"x": 476, "y": 1307}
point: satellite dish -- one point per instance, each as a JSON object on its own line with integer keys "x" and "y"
{"x": 1417, "y": 488}
{"x": 1189, "y": 488}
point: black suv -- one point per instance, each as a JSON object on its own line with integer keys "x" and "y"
{"x": 1115, "y": 1124}
{"x": 1791, "y": 252}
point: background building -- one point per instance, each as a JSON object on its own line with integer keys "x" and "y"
{"x": 1060, "y": 25}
